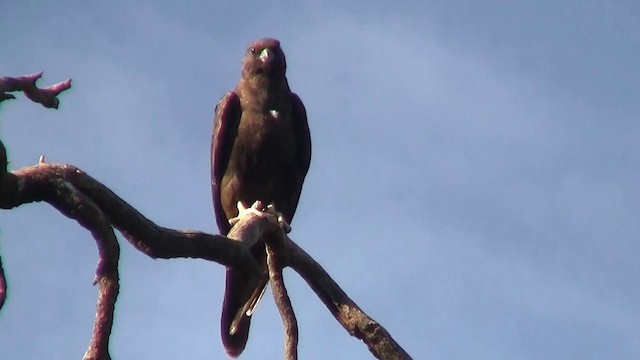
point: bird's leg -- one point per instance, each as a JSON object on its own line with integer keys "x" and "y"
{"x": 257, "y": 208}
{"x": 271, "y": 209}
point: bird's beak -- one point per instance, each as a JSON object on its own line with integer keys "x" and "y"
{"x": 265, "y": 56}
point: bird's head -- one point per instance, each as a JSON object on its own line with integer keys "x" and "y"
{"x": 264, "y": 57}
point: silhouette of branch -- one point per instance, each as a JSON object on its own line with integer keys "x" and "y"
{"x": 345, "y": 310}
{"x": 78, "y": 206}
{"x": 27, "y": 84}
{"x": 275, "y": 252}
{"x": 49, "y": 182}
{"x": 82, "y": 198}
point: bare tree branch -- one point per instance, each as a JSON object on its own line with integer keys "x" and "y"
{"x": 84, "y": 199}
{"x": 345, "y": 310}
{"x": 77, "y": 205}
{"x": 78, "y": 196}
{"x": 49, "y": 182}
{"x": 27, "y": 84}
{"x": 275, "y": 252}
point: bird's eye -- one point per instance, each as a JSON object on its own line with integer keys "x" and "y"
{"x": 252, "y": 50}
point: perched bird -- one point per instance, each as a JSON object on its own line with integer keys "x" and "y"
{"x": 261, "y": 150}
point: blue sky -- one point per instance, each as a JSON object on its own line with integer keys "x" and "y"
{"x": 474, "y": 181}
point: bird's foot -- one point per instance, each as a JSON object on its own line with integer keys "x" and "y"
{"x": 271, "y": 210}
{"x": 257, "y": 208}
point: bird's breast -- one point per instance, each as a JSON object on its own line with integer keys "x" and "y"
{"x": 267, "y": 135}
{"x": 262, "y": 163}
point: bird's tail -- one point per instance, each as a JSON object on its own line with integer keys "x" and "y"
{"x": 242, "y": 294}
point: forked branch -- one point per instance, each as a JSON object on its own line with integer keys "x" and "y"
{"x": 48, "y": 96}
{"x": 78, "y": 196}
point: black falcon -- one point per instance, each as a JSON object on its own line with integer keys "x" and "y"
{"x": 261, "y": 150}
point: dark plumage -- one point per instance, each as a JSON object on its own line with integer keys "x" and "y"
{"x": 261, "y": 150}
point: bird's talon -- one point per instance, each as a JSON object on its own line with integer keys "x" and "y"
{"x": 258, "y": 206}
{"x": 284, "y": 225}
{"x": 243, "y": 210}
{"x": 271, "y": 210}
{"x": 240, "y": 206}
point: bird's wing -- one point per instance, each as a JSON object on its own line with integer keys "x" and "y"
{"x": 225, "y": 129}
{"x": 303, "y": 149}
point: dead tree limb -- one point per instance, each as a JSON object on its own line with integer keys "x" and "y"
{"x": 275, "y": 253}
{"x": 78, "y": 206}
{"x": 49, "y": 182}
{"x": 27, "y": 84}
{"x": 78, "y": 196}
{"x": 345, "y": 310}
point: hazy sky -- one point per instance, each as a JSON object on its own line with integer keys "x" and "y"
{"x": 473, "y": 187}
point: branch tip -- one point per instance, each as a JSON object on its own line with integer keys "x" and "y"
{"x": 27, "y": 84}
